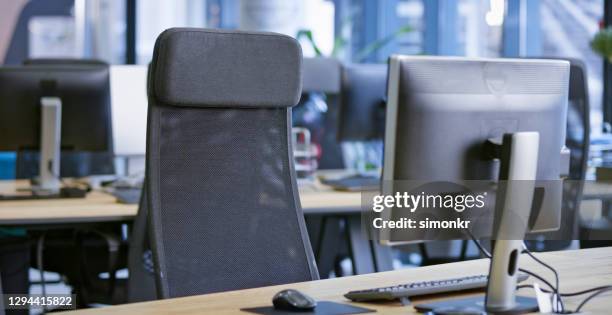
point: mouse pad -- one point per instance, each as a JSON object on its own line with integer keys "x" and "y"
{"x": 323, "y": 307}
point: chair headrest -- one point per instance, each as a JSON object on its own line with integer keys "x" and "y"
{"x": 218, "y": 68}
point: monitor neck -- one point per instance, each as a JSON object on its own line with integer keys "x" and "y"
{"x": 50, "y": 144}
{"x": 518, "y": 154}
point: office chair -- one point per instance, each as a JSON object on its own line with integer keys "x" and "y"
{"x": 577, "y": 140}
{"x": 141, "y": 281}
{"x": 222, "y": 197}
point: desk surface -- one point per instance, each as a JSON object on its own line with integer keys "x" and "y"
{"x": 579, "y": 270}
{"x": 597, "y": 189}
{"x": 102, "y": 207}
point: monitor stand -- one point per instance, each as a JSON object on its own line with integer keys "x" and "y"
{"x": 48, "y": 181}
{"x": 518, "y": 168}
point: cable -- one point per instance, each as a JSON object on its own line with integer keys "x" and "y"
{"x": 609, "y": 288}
{"x": 488, "y": 255}
{"x": 477, "y": 242}
{"x": 598, "y": 290}
{"x": 535, "y": 275}
{"x": 524, "y": 286}
{"x": 554, "y": 271}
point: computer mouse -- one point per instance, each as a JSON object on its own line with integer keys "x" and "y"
{"x": 458, "y": 310}
{"x": 293, "y": 300}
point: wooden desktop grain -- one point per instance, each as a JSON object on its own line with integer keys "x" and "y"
{"x": 579, "y": 270}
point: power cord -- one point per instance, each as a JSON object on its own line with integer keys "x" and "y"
{"x": 556, "y": 295}
{"x": 583, "y": 303}
{"x": 487, "y": 254}
{"x": 583, "y": 292}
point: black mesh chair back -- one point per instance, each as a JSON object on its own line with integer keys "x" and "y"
{"x": 141, "y": 282}
{"x": 577, "y": 141}
{"x": 223, "y": 205}
{"x": 578, "y": 120}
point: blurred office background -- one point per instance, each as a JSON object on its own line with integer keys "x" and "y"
{"x": 359, "y": 31}
{"x": 123, "y": 32}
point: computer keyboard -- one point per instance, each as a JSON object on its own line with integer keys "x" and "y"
{"x": 127, "y": 195}
{"x": 354, "y": 183}
{"x": 423, "y": 288}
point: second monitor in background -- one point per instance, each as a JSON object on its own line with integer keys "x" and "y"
{"x": 362, "y": 102}
{"x": 361, "y": 125}
{"x": 55, "y": 108}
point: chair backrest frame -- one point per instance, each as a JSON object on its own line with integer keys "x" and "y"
{"x": 240, "y": 116}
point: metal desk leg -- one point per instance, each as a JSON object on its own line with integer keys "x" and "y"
{"x": 329, "y": 243}
{"x": 383, "y": 257}
{"x": 360, "y": 249}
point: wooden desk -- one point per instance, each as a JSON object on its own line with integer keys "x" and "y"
{"x": 597, "y": 190}
{"x": 97, "y": 207}
{"x": 579, "y": 270}
{"x": 102, "y": 207}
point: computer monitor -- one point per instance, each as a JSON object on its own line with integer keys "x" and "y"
{"x": 362, "y": 102}
{"x": 443, "y": 116}
{"x": 318, "y": 109}
{"x": 55, "y": 107}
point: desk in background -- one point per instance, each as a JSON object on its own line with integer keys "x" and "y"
{"x": 318, "y": 201}
{"x": 101, "y": 207}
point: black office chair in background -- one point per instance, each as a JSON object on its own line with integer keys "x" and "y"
{"x": 222, "y": 195}
{"x": 577, "y": 141}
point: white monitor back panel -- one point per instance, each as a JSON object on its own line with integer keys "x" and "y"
{"x": 129, "y": 106}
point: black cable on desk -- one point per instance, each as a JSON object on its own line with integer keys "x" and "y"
{"x": 556, "y": 288}
{"x": 524, "y": 286}
{"x": 598, "y": 290}
{"x": 488, "y": 255}
{"x": 583, "y": 303}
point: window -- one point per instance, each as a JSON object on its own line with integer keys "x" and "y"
{"x": 567, "y": 29}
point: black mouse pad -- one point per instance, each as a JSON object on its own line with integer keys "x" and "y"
{"x": 323, "y": 307}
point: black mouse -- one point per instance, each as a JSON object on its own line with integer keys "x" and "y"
{"x": 293, "y": 300}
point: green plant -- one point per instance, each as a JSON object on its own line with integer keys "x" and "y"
{"x": 602, "y": 43}
{"x": 361, "y": 55}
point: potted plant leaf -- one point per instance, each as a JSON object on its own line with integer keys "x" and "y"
{"x": 602, "y": 43}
